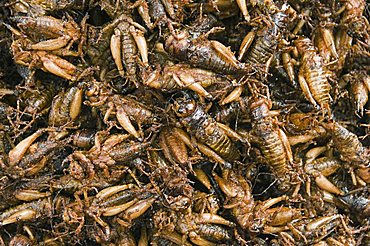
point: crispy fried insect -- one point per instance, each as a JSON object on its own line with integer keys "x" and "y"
{"x": 204, "y": 128}
{"x": 266, "y": 43}
{"x": 201, "y": 229}
{"x": 178, "y": 76}
{"x": 121, "y": 200}
{"x": 127, "y": 39}
{"x": 353, "y": 19}
{"x": 313, "y": 77}
{"x": 348, "y": 145}
{"x": 235, "y": 110}
{"x": 174, "y": 150}
{"x": 45, "y": 207}
{"x": 40, "y": 7}
{"x": 238, "y": 191}
{"x": 60, "y": 35}
{"x": 13, "y": 193}
{"x": 161, "y": 12}
{"x": 320, "y": 169}
{"x": 173, "y": 181}
{"x": 273, "y": 142}
{"x": 126, "y": 151}
{"x": 204, "y": 53}
{"x": 359, "y": 89}
{"x": 251, "y": 215}
{"x": 310, "y": 230}
{"x": 325, "y": 43}
{"x": 37, "y": 101}
{"x": 126, "y": 108}
{"x": 43, "y": 60}
{"x": 36, "y": 159}
{"x": 354, "y": 200}
{"x": 66, "y": 107}
{"x": 114, "y": 149}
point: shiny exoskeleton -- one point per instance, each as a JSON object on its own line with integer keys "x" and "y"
{"x": 232, "y": 111}
{"x": 266, "y": 44}
{"x": 60, "y": 35}
{"x": 66, "y": 107}
{"x": 203, "y": 53}
{"x": 179, "y": 76}
{"x": 126, "y": 107}
{"x": 38, "y": 101}
{"x": 313, "y": 76}
{"x": 272, "y": 142}
{"x": 348, "y": 145}
{"x": 204, "y": 128}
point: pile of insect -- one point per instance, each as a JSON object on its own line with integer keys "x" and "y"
{"x": 184, "y": 122}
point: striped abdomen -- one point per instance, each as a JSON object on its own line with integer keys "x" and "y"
{"x": 316, "y": 78}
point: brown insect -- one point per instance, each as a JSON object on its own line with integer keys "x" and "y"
{"x": 204, "y": 53}
{"x": 204, "y": 128}
{"x": 313, "y": 77}
{"x": 272, "y": 141}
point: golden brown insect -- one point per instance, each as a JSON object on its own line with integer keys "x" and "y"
{"x": 272, "y": 141}
{"x": 313, "y": 77}
{"x": 203, "y": 53}
{"x": 174, "y": 150}
{"x": 36, "y": 52}
{"x": 325, "y": 43}
{"x": 60, "y": 35}
{"x": 66, "y": 106}
{"x": 304, "y": 123}
{"x": 348, "y": 145}
{"x": 121, "y": 200}
{"x": 359, "y": 89}
{"x": 14, "y": 193}
{"x": 115, "y": 148}
{"x": 126, "y": 108}
{"x": 266, "y": 43}
{"x": 354, "y": 200}
{"x": 127, "y": 40}
{"x": 204, "y": 202}
{"x": 45, "y": 61}
{"x": 204, "y": 128}
{"x": 84, "y": 138}
{"x": 353, "y": 18}
{"x": 310, "y": 230}
{"x": 32, "y": 210}
{"x": 234, "y": 110}
{"x": 126, "y": 151}
{"x": 205, "y": 233}
{"x": 252, "y": 215}
{"x": 320, "y": 169}
{"x": 97, "y": 52}
{"x": 40, "y": 7}
{"x": 172, "y": 179}
{"x": 36, "y": 159}
{"x": 201, "y": 229}
{"x": 37, "y": 101}
{"x": 178, "y": 76}
{"x": 160, "y": 13}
